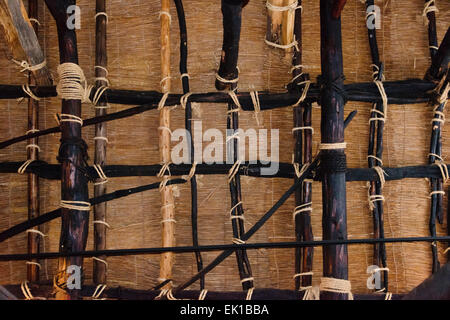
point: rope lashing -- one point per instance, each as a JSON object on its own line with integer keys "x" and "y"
{"x": 256, "y": 104}
{"x": 72, "y": 83}
{"x": 234, "y": 170}
{"x": 105, "y": 79}
{"x": 444, "y": 170}
{"x": 24, "y": 166}
{"x": 203, "y": 294}
{"x": 167, "y": 14}
{"x": 235, "y": 99}
{"x": 376, "y": 158}
{"x": 293, "y": 44}
{"x": 27, "y": 67}
{"x": 336, "y": 286}
{"x": 430, "y": 6}
{"x": 36, "y": 232}
{"x": 26, "y": 88}
{"x": 191, "y": 172}
{"x": 162, "y": 102}
{"x": 64, "y": 117}
{"x": 35, "y": 21}
{"x": 102, "y": 223}
{"x": 98, "y": 291}
{"x": 75, "y": 205}
{"x": 291, "y": 7}
{"x": 27, "y": 292}
{"x": 333, "y": 146}
{"x": 381, "y": 175}
{"x": 249, "y": 294}
{"x": 184, "y": 99}
{"x": 303, "y": 128}
{"x": 104, "y": 14}
{"x": 101, "y": 261}
{"x": 307, "y": 207}
{"x": 165, "y": 167}
{"x": 101, "y": 174}
{"x": 307, "y": 84}
{"x": 228, "y": 81}
{"x": 375, "y": 198}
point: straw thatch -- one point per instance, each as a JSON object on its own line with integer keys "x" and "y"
{"x": 134, "y": 63}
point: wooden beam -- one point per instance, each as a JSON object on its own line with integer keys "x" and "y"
{"x": 100, "y": 210}
{"x": 333, "y": 161}
{"x": 72, "y": 155}
{"x": 21, "y": 38}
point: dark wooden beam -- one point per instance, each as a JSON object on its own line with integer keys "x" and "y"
{"x": 334, "y": 216}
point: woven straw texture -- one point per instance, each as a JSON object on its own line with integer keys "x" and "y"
{"x": 134, "y": 63}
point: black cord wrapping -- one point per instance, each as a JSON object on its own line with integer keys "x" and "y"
{"x": 333, "y": 85}
{"x": 332, "y": 162}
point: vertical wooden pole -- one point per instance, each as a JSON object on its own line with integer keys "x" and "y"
{"x": 334, "y": 221}
{"x": 302, "y": 155}
{"x": 72, "y": 155}
{"x": 167, "y": 199}
{"x": 100, "y": 210}
{"x": 33, "y": 154}
{"x": 188, "y": 125}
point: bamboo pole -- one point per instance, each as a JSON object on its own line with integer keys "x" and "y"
{"x": 188, "y": 125}
{"x": 375, "y": 153}
{"x": 280, "y": 22}
{"x": 411, "y": 91}
{"x": 334, "y": 220}
{"x": 72, "y": 155}
{"x": 100, "y": 210}
{"x": 34, "y": 239}
{"x": 167, "y": 198}
{"x": 302, "y": 155}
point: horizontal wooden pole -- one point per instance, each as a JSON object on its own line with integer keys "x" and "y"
{"x": 399, "y": 92}
{"x": 286, "y": 170}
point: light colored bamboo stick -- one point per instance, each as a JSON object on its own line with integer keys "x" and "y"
{"x": 167, "y": 198}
